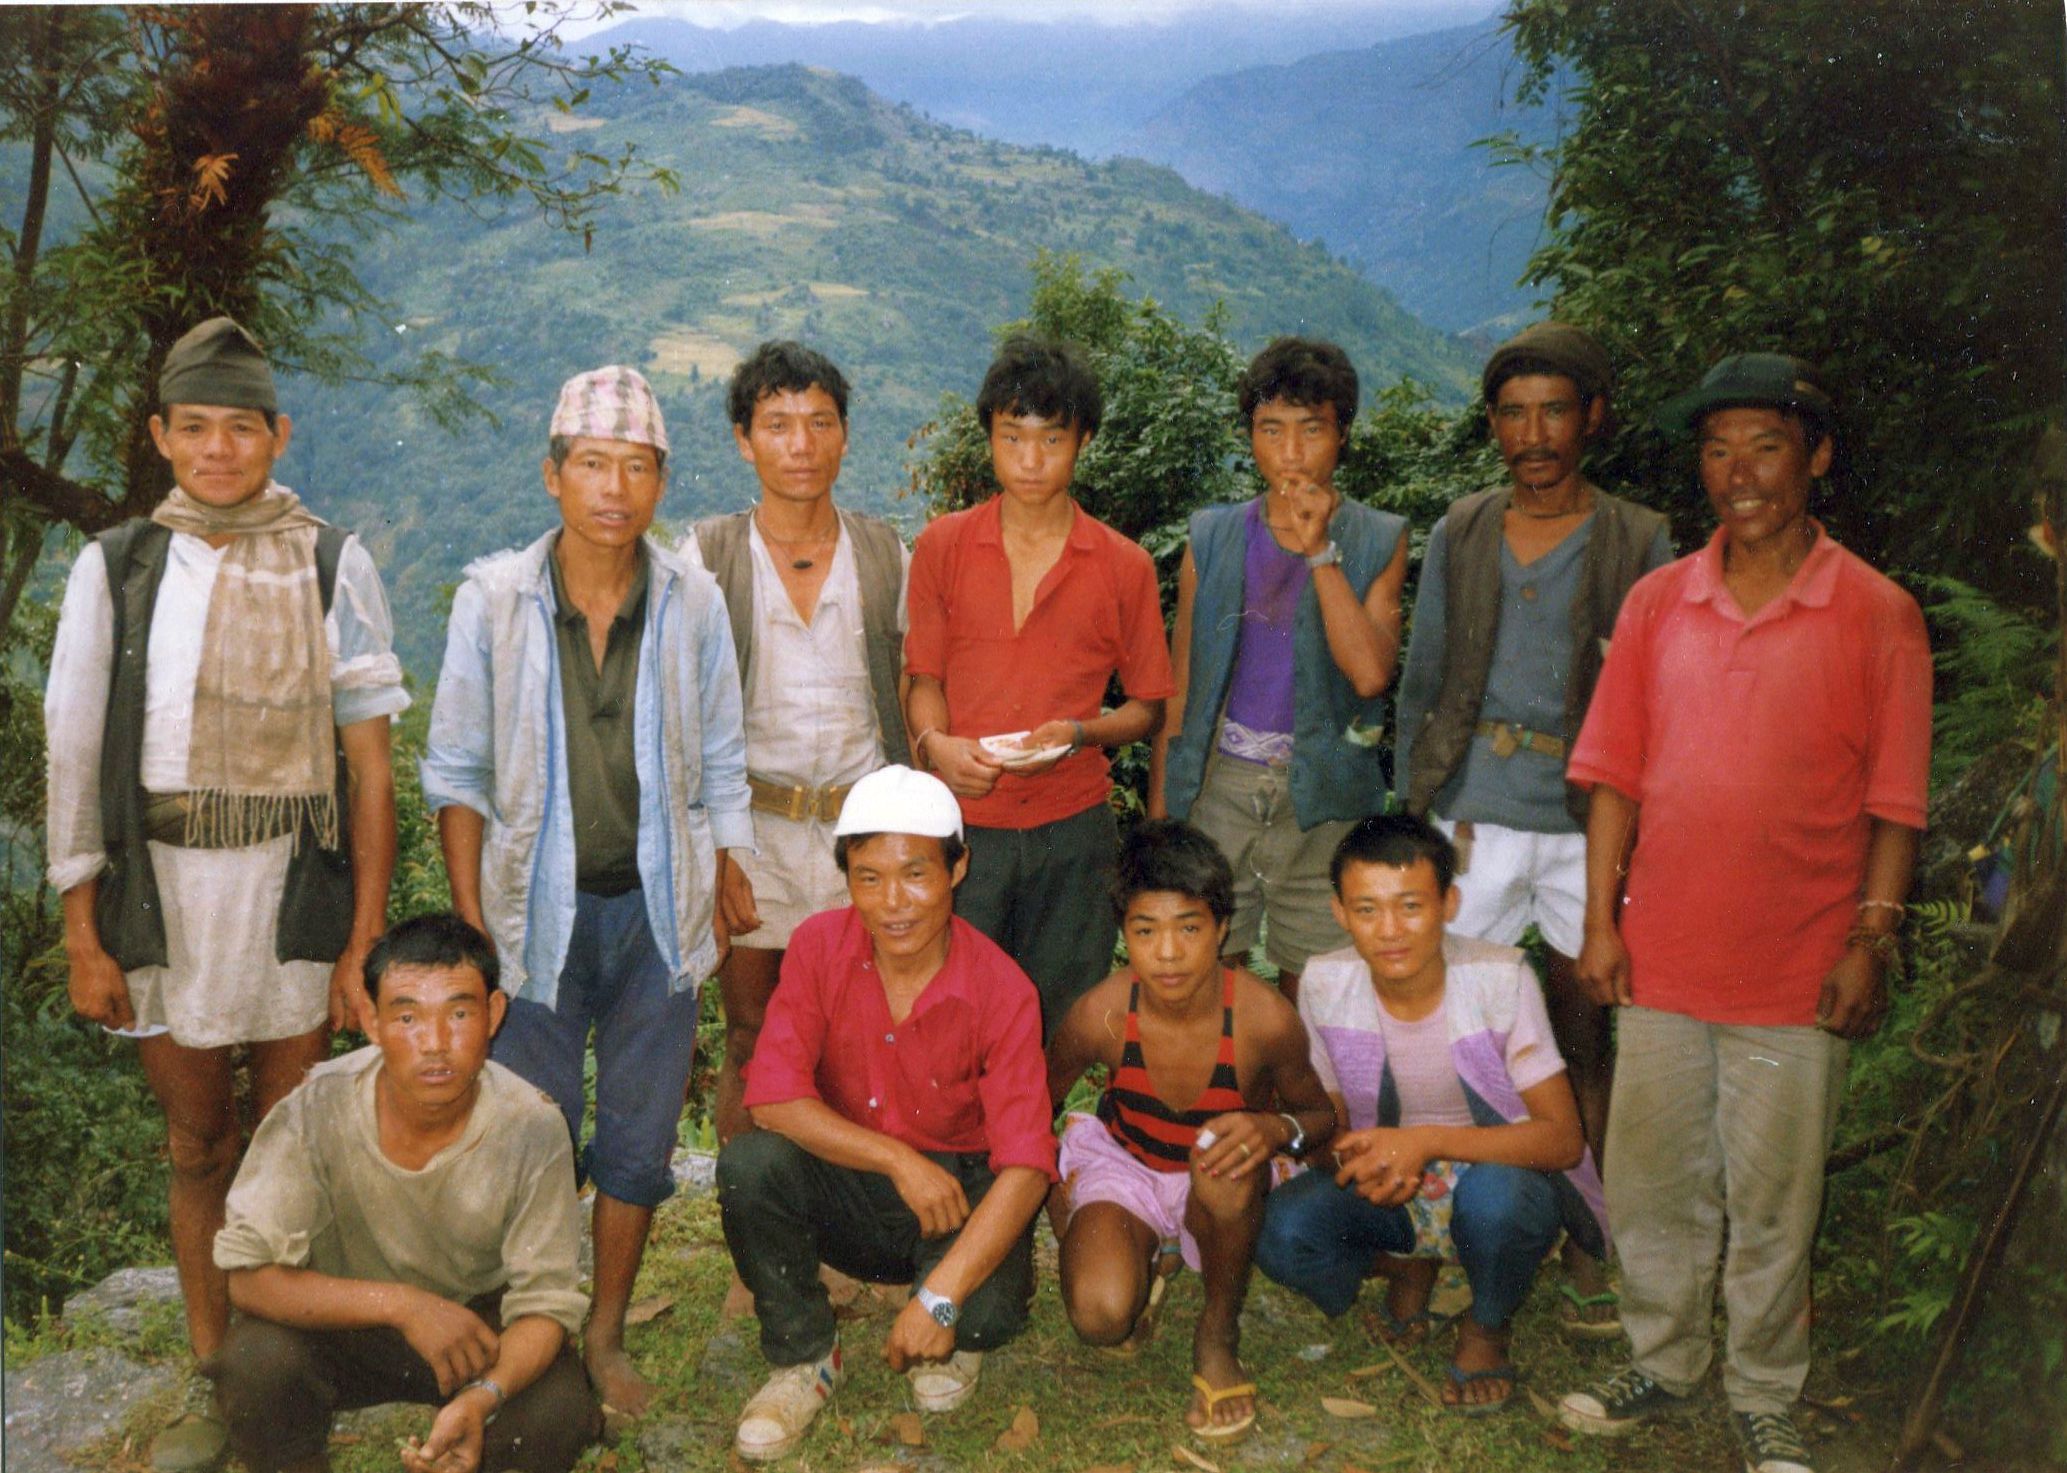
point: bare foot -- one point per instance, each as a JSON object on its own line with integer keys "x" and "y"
{"x": 739, "y": 1301}
{"x": 1405, "y": 1321}
{"x": 619, "y": 1386}
{"x": 1218, "y": 1367}
{"x": 1481, "y": 1376}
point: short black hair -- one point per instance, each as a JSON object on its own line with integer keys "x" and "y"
{"x": 1815, "y": 427}
{"x": 441, "y": 940}
{"x": 1524, "y": 366}
{"x": 271, "y": 416}
{"x": 952, "y": 847}
{"x": 559, "y": 447}
{"x": 782, "y": 366}
{"x": 1163, "y": 855}
{"x": 1040, "y": 376}
{"x": 1397, "y": 841}
{"x": 1302, "y": 371}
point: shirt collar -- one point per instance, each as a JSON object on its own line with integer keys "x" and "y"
{"x": 989, "y": 524}
{"x": 857, "y": 954}
{"x": 1811, "y": 586}
{"x": 634, "y": 605}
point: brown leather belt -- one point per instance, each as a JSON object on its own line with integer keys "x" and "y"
{"x": 1507, "y": 739}
{"x": 796, "y": 802}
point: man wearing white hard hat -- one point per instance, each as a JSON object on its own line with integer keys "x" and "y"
{"x": 905, "y": 1133}
{"x": 587, "y": 763}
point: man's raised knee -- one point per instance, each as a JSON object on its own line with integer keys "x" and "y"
{"x": 1101, "y": 1307}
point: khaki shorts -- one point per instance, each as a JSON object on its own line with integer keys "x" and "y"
{"x": 1281, "y": 887}
{"x": 793, "y": 876}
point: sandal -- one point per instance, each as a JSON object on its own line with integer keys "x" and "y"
{"x": 1222, "y": 1433}
{"x": 1404, "y": 1332}
{"x": 1573, "y": 1321}
{"x": 1505, "y": 1371}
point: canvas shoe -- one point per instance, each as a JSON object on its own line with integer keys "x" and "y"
{"x": 943, "y": 1385}
{"x": 1770, "y": 1442}
{"x": 780, "y": 1413}
{"x": 1617, "y": 1405}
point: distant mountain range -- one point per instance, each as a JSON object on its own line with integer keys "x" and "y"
{"x": 808, "y": 207}
{"x": 1368, "y": 147}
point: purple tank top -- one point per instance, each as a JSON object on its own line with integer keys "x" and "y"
{"x": 1259, "y": 693}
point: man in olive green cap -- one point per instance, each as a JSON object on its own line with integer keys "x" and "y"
{"x": 221, "y": 816}
{"x": 1518, "y": 595}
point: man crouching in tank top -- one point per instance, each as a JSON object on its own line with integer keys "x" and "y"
{"x": 1181, "y": 1151}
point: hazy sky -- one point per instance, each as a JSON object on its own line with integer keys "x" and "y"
{"x": 729, "y": 13}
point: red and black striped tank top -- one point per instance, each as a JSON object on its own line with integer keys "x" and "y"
{"x": 1156, "y": 1135}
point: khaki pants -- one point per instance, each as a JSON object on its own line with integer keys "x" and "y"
{"x": 1711, "y": 1124}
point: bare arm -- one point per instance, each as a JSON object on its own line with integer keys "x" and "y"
{"x": 461, "y": 833}
{"x": 1074, "y": 1048}
{"x": 370, "y": 786}
{"x": 1244, "y": 1141}
{"x": 99, "y": 991}
{"x": 1384, "y": 1163}
{"x": 1180, "y": 670}
{"x": 527, "y": 1348}
{"x": 934, "y": 1196}
{"x": 961, "y": 761}
{"x": 455, "y": 1341}
{"x": 1363, "y": 637}
{"x": 1854, "y": 998}
{"x": 1603, "y": 965}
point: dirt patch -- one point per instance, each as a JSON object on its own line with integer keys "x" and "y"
{"x": 769, "y": 223}
{"x": 680, "y": 349}
{"x": 753, "y": 119}
{"x": 559, "y": 122}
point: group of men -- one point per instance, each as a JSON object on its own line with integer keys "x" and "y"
{"x": 868, "y": 789}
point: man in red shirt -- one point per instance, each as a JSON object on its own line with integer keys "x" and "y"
{"x": 905, "y": 1133}
{"x": 1762, "y": 726}
{"x": 1022, "y": 610}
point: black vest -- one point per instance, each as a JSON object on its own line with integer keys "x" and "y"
{"x": 315, "y": 919}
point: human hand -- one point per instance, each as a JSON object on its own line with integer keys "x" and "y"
{"x": 1854, "y": 998}
{"x": 961, "y": 762}
{"x": 1603, "y": 967}
{"x": 350, "y": 1007}
{"x": 1235, "y": 1144}
{"x": 1302, "y": 509}
{"x": 455, "y": 1342}
{"x": 736, "y": 897}
{"x": 454, "y": 1443}
{"x": 917, "y": 1336}
{"x": 1040, "y": 739}
{"x": 1381, "y": 1164}
{"x": 933, "y": 1195}
{"x": 99, "y": 991}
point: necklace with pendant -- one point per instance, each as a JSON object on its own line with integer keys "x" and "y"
{"x": 800, "y": 564}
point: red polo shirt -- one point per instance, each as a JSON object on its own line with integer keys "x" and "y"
{"x": 1760, "y": 750}
{"x": 1096, "y": 614}
{"x": 962, "y": 1072}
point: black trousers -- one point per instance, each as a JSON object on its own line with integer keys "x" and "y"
{"x": 787, "y": 1211}
{"x": 280, "y": 1387}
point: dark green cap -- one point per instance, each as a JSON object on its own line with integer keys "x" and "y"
{"x": 1751, "y": 380}
{"x": 1568, "y": 350}
{"x": 218, "y": 363}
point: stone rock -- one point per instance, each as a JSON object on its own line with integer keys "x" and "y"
{"x": 121, "y": 1298}
{"x": 58, "y": 1405}
{"x": 676, "y": 1442}
{"x": 696, "y": 1172}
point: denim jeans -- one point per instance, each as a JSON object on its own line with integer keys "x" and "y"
{"x": 1320, "y": 1239}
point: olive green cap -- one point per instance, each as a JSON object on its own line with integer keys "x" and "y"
{"x": 1751, "y": 380}
{"x": 218, "y": 363}
{"x": 1571, "y": 351}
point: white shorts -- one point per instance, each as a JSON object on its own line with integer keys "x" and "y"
{"x": 793, "y": 876}
{"x": 1511, "y": 878}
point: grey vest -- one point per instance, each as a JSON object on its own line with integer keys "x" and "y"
{"x": 315, "y": 919}
{"x": 1622, "y": 533}
{"x": 878, "y": 567}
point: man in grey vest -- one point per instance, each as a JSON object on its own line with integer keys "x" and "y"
{"x": 587, "y": 768}
{"x": 816, "y": 597}
{"x": 221, "y": 817}
{"x": 1518, "y": 596}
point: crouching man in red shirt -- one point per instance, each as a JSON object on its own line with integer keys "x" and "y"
{"x": 902, "y": 1101}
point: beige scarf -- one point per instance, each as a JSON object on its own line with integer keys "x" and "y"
{"x": 264, "y": 751}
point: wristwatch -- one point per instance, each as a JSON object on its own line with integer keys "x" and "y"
{"x": 943, "y": 1309}
{"x": 1297, "y": 1144}
{"x": 493, "y": 1388}
{"x": 1327, "y": 557}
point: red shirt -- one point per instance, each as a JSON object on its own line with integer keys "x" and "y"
{"x": 1096, "y": 613}
{"x": 962, "y": 1072}
{"x": 1760, "y": 750}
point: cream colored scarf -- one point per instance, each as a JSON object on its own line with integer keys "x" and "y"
{"x": 264, "y": 749}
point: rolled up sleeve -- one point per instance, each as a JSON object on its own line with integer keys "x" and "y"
{"x": 1018, "y": 1116}
{"x": 276, "y": 1207}
{"x": 542, "y": 1248}
{"x": 785, "y": 1062}
{"x": 75, "y": 712}
{"x": 365, "y": 676}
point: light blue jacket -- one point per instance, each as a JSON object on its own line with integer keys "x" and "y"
{"x": 498, "y": 744}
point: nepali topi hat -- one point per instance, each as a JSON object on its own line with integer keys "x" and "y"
{"x": 218, "y": 363}
{"x": 610, "y": 403}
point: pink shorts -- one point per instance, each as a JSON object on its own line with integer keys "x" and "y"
{"x": 1096, "y": 1168}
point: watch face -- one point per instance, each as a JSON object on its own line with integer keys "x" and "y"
{"x": 943, "y": 1313}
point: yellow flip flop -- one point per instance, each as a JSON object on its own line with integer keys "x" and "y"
{"x": 1222, "y": 1433}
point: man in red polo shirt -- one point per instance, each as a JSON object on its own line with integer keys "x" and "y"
{"x": 904, "y": 1132}
{"x": 1762, "y": 726}
{"x": 1021, "y": 612}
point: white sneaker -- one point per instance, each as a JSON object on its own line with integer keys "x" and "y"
{"x": 943, "y": 1385}
{"x": 780, "y": 1413}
